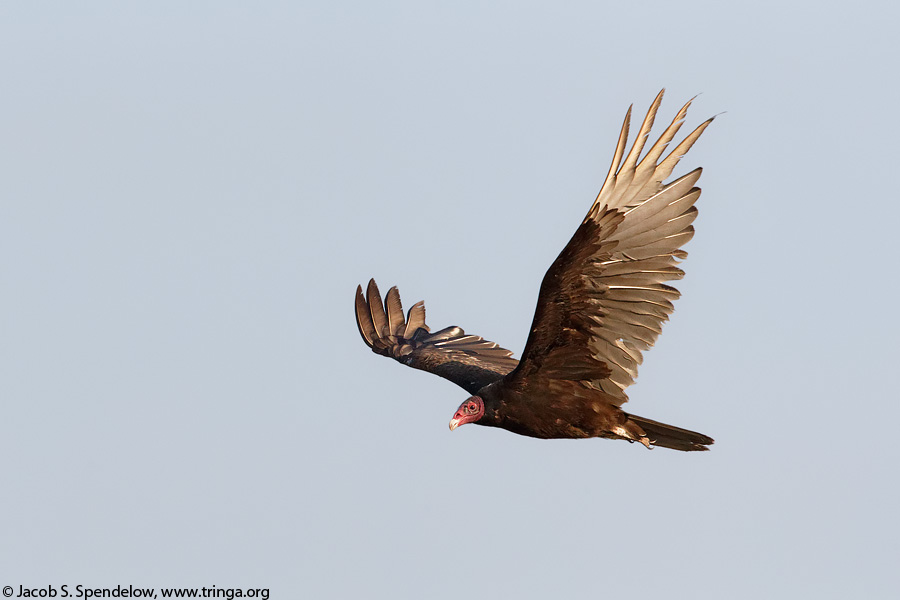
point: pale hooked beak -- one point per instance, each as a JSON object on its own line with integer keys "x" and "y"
{"x": 454, "y": 423}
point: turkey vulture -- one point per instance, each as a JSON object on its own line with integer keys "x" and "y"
{"x": 602, "y": 302}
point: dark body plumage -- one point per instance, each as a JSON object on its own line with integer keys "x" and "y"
{"x": 601, "y": 303}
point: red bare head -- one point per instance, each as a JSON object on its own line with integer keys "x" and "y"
{"x": 468, "y": 412}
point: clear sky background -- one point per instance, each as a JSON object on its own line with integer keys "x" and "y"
{"x": 190, "y": 193}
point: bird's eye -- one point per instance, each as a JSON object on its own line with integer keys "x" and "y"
{"x": 472, "y": 408}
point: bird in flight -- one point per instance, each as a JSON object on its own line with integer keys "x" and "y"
{"x": 602, "y": 302}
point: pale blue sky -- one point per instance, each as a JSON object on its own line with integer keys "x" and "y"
{"x": 192, "y": 191}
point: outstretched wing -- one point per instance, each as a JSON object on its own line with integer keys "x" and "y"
{"x": 468, "y": 361}
{"x": 604, "y": 300}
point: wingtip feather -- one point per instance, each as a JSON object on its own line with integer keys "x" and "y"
{"x": 394, "y": 310}
{"x": 363, "y": 318}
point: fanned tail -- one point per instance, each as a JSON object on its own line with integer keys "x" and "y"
{"x": 669, "y": 436}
